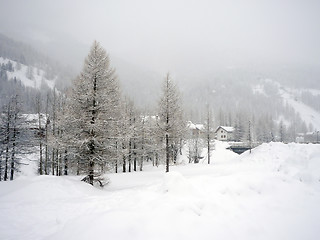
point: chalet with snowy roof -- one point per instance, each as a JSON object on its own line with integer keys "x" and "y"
{"x": 195, "y": 129}
{"x": 224, "y": 133}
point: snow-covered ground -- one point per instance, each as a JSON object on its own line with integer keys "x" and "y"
{"x": 273, "y": 193}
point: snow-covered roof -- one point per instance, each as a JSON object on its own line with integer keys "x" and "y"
{"x": 311, "y": 133}
{"x": 226, "y": 128}
{"x": 193, "y": 126}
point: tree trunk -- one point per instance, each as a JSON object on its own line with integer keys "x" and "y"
{"x": 135, "y": 157}
{"x": 58, "y": 163}
{"x": 141, "y": 163}
{"x": 129, "y": 157}
{"x": 124, "y": 159}
{"x": 40, "y": 160}
{"x": 46, "y": 148}
{"x": 78, "y": 167}
{"x": 46, "y": 157}
{"x": 91, "y": 172}
{"x": 208, "y": 145}
{"x": 124, "y": 164}
{"x": 65, "y": 162}
{"x": 53, "y": 130}
{"x": 157, "y": 159}
{"x": 53, "y": 161}
{"x": 167, "y": 152}
{"x": 116, "y": 162}
{"x": 13, "y": 149}
{"x": 5, "y": 177}
{"x": 129, "y": 167}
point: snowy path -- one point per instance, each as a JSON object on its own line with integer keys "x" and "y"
{"x": 274, "y": 193}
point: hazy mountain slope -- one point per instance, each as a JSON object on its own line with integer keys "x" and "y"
{"x": 24, "y": 54}
{"x": 307, "y": 114}
{"x": 29, "y": 76}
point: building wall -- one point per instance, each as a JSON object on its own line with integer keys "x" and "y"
{"x": 222, "y": 135}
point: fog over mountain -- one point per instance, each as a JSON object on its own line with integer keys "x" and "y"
{"x": 184, "y": 37}
{"x": 205, "y": 45}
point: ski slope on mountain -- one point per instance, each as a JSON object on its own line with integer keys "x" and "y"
{"x": 288, "y": 95}
{"x": 307, "y": 114}
{"x": 38, "y": 76}
{"x": 273, "y": 193}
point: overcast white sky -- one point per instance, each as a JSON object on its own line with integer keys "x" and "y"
{"x": 176, "y": 35}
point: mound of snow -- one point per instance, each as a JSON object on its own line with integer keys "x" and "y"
{"x": 176, "y": 183}
{"x": 297, "y": 161}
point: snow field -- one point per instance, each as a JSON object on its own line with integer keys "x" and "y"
{"x": 273, "y": 193}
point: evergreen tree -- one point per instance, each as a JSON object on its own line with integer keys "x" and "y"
{"x": 93, "y": 114}
{"x": 282, "y": 132}
{"x": 209, "y": 133}
{"x": 170, "y": 123}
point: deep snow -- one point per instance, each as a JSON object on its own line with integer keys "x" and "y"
{"x": 273, "y": 193}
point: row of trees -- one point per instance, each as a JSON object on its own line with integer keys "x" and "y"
{"x": 14, "y": 140}
{"x": 92, "y": 127}
{"x": 95, "y": 128}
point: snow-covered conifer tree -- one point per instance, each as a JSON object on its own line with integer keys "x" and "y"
{"x": 170, "y": 123}
{"x": 208, "y": 133}
{"x": 93, "y": 113}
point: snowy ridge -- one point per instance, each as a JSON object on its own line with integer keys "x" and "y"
{"x": 21, "y": 74}
{"x": 273, "y": 193}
